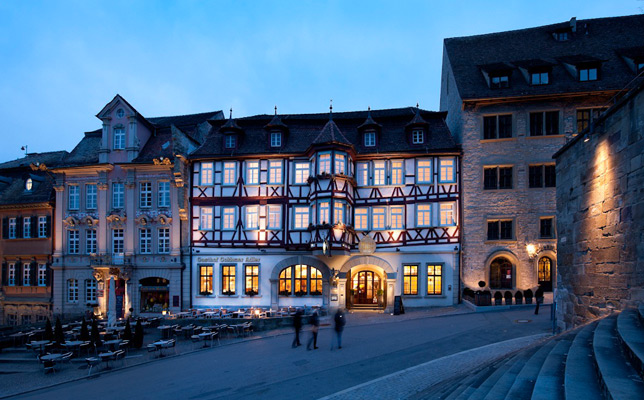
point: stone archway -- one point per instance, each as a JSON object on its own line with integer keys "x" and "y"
{"x": 497, "y": 257}
{"x": 366, "y": 278}
{"x": 548, "y": 283}
{"x": 300, "y": 260}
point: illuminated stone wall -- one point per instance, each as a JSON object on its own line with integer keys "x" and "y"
{"x": 600, "y": 215}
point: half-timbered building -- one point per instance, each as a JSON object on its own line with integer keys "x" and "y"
{"x": 336, "y": 210}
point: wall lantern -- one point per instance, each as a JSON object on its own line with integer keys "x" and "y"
{"x": 532, "y": 251}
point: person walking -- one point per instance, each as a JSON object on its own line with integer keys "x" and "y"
{"x": 539, "y": 297}
{"x": 315, "y": 326}
{"x": 339, "y": 320}
{"x": 297, "y": 324}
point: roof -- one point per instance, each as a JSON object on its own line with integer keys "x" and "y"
{"x": 305, "y": 129}
{"x": 50, "y": 159}
{"x": 14, "y": 174}
{"x": 86, "y": 151}
{"x": 594, "y": 39}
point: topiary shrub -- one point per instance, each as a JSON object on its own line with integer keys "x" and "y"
{"x": 508, "y": 298}
{"x": 49, "y": 333}
{"x": 498, "y": 298}
{"x": 528, "y": 296}
{"x": 137, "y": 340}
{"x": 518, "y": 297}
{"x": 59, "y": 335}
{"x": 127, "y": 333}
{"x": 84, "y": 332}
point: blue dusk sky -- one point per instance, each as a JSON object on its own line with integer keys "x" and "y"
{"x": 62, "y": 61}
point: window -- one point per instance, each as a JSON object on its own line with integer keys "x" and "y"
{"x": 424, "y": 171}
{"x": 546, "y": 228}
{"x": 379, "y": 217}
{"x": 117, "y": 195}
{"x": 42, "y": 227}
{"x": 423, "y": 215}
{"x": 339, "y": 212}
{"x": 117, "y": 241}
{"x": 145, "y": 240}
{"x": 72, "y": 241}
{"x": 340, "y": 163}
{"x": 230, "y": 173}
{"x": 324, "y": 163}
{"x": 207, "y": 173}
{"x": 252, "y": 172}
{"x": 252, "y": 217}
{"x": 499, "y": 230}
{"x": 301, "y": 279}
{"x": 119, "y": 138}
{"x": 72, "y": 290}
{"x": 42, "y": 275}
{"x": 315, "y": 282}
{"x": 410, "y": 279}
{"x": 90, "y": 241}
{"x": 497, "y": 127}
{"x": 164, "y": 240}
{"x": 230, "y": 141}
{"x": 370, "y": 138}
{"x": 145, "y": 195}
{"x": 560, "y": 36}
{"x": 434, "y": 279}
{"x": 397, "y": 173}
{"x": 544, "y": 123}
{"x": 301, "y": 173}
{"x": 447, "y": 170}
{"x": 275, "y": 172}
{"x": 26, "y": 274}
{"x": 586, "y": 116}
{"x": 362, "y": 174}
{"x": 90, "y": 291}
{"x": 500, "y": 81}
{"x": 274, "y": 217}
{"x": 205, "y": 280}
{"x": 205, "y": 219}
{"x": 11, "y": 278}
{"x": 301, "y": 217}
{"x": 541, "y": 176}
{"x": 251, "y": 286}
{"x": 276, "y": 139}
{"x": 324, "y": 208}
{"x": 90, "y": 197}
{"x": 12, "y": 319}
{"x": 397, "y": 218}
{"x": 29, "y": 184}
{"x": 26, "y": 227}
{"x": 587, "y": 74}
{"x": 285, "y": 281}
{"x": 228, "y": 279}
{"x": 497, "y": 178}
{"x": 379, "y": 173}
{"x": 73, "y": 197}
{"x": 12, "y": 228}
{"x": 120, "y": 113}
{"x": 417, "y": 136}
{"x": 447, "y": 214}
{"x": 164, "y": 194}
{"x": 539, "y": 78}
{"x": 228, "y": 218}
{"x": 362, "y": 218}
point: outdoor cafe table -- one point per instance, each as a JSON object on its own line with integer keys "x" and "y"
{"x": 39, "y": 344}
{"x": 204, "y": 337}
{"x": 18, "y": 336}
{"x": 159, "y": 345}
{"x": 106, "y": 357}
{"x": 112, "y": 344}
{"x": 166, "y": 331}
{"x": 73, "y": 345}
{"x": 51, "y": 357}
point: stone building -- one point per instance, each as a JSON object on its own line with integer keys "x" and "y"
{"x": 26, "y": 210}
{"x": 513, "y": 99}
{"x": 334, "y": 210}
{"x": 121, "y": 196}
{"x": 600, "y": 210}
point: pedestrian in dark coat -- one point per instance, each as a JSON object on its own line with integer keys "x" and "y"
{"x": 340, "y": 320}
{"x": 315, "y": 326}
{"x": 539, "y": 297}
{"x": 297, "y": 324}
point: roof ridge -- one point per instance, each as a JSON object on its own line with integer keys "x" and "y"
{"x": 187, "y": 115}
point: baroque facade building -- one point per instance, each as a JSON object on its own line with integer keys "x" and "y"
{"x": 334, "y": 210}
{"x": 26, "y": 244}
{"x": 120, "y": 198}
{"x": 513, "y": 99}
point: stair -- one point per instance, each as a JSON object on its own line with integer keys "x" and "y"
{"x": 631, "y": 334}
{"x": 524, "y": 382}
{"x": 580, "y": 377}
{"x": 550, "y": 381}
{"x": 504, "y": 383}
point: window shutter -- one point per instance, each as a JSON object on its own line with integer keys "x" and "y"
{"x": 34, "y": 226}
{"x": 18, "y": 227}
{"x": 33, "y": 273}
{"x": 5, "y": 267}
{"x": 48, "y": 226}
{"x": 48, "y": 274}
{"x": 5, "y": 227}
{"x": 18, "y": 274}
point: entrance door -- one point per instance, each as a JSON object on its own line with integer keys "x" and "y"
{"x": 501, "y": 273}
{"x": 545, "y": 274}
{"x": 366, "y": 285}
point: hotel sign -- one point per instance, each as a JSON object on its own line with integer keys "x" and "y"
{"x": 225, "y": 259}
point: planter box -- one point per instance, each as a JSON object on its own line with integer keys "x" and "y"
{"x": 508, "y": 302}
{"x": 498, "y": 302}
{"x": 528, "y": 300}
{"x": 518, "y": 301}
{"x": 483, "y": 299}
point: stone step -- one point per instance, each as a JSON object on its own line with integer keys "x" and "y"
{"x": 480, "y": 378}
{"x": 484, "y": 387}
{"x": 451, "y": 388}
{"x": 464, "y": 384}
{"x": 504, "y": 383}
{"x": 631, "y": 333}
{"x": 640, "y": 310}
{"x": 524, "y": 382}
{"x": 580, "y": 377}
{"x": 620, "y": 380}
{"x": 550, "y": 381}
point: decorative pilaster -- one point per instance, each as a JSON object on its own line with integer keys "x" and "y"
{"x": 102, "y": 205}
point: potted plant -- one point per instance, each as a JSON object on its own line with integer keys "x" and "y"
{"x": 498, "y": 299}
{"x": 482, "y": 297}
{"x": 284, "y": 292}
{"x": 228, "y": 292}
{"x": 518, "y": 297}
{"x": 300, "y": 293}
{"x": 127, "y": 333}
{"x": 205, "y": 293}
{"x": 251, "y": 292}
{"x": 508, "y": 297}
{"x": 316, "y": 293}
{"x": 84, "y": 332}
{"x": 528, "y": 296}
{"x": 59, "y": 335}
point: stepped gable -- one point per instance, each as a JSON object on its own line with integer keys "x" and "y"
{"x": 605, "y": 39}
{"x": 305, "y": 129}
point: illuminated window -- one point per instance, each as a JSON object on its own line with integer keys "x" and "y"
{"x": 315, "y": 282}
{"x": 274, "y": 217}
{"x": 300, "y": 280}
{"x": 447, "y": 168}
{"x": 285, "y": 281}
{"x": 338, "y": 212}
{"x": 117, "y": 195}
{"x": 301, "y": 217}
{"x": 26, "y": 275}
{"x": 370, "y": 139}
{"x": 324, "y": 163}
{"x": 252, "y": 217}
{"x": 145, "y": 194}
{"x": 447, "y": 214}
{"x": 397, "y": 218}
{"x": 340, "y": 163}
{"x": 423, "y": 215}
{"x": 417, "y": 136}
{"x": 361, "y": 218}
{"x": 410, "y": 279}
{"x": 26, "y": 227}
{"x": 228, "y": 279}
{"x": 90, "y": 196}
{"x": 145, "y": 240}
{"x": 74, "y": 197}
{"x": 206, "y": 175}
{"x": 324, "y": 208}
{"x": 379, "y": 173}
{"x": 164, "y": 240}
{"x": 275, "y": 172}
{"x": 252, "y": 280}
{"x": 301, "y": 173}
{"x": 119, "y": 138}
{"x": 230, "y": 173}
{"x": 228, "y": 218}
{"x": 205, "y": 218}
{"x": 252, "y": 172}
{"x": 164, "y": 194}
{"x": 379, "y": 217}
{"x": 362, "y": 174}
{"x": 205, "y": 280}
{"x": 72, "y": 241}
{"x": 90, "y": 291}
{"x": 42, "y": 227}
{"x": 434, "y": 279}
{"x": 424, "y": 171}
{"x": 544, "y": 269}
{"x": 90, "y": 241}
{"x": 42, "y": 275}
{"x": 72, "y": 290}
{"x": 397, "y": 172}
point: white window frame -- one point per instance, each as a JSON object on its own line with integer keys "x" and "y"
{"x": 424, "y": 170}
{"x": 324, "y": 166}
{"x": 447, "y": 170}
{"x": 251, "y": 217}
{"x": 340, "y": 163}
{"x": 301, "y": 217}
{"x": 324, "y": 212}
{"x": 90, "y": 291}
{"x": 339, "y": 212}
{"x": 447, "y": 214}
{"x": 228, "y": 215}
{"x": 12, "y": 228}
{"x": 145, "y": 240}
{"x": 275, "y": 175}
{"x": 72, "y": 290}
{"x": 26, "y": 274}
{"x": 370, "y": 139}
{"x": 73, "y": 241}
{"x": 302, "y": 172}
{"x": 163, "y": 240}
{"x": 397, "y": 172}
{"x": 118, "y": 195}
{"x": 118, "y": 241}
{"x": 362, "y": 173}
{"x": 379, "y": 218}
{"x": 423, "y": 215}
{"x": 276, "y": 139}
{"x": 118, "y": 142}
{"x": 397, "y": 219}
{"x": 90, "y": 241}
{"x": 206, "y": 218}
{"x": 42, "y": 275}
{"x": 361, "y": 218}
{"x": 417, "y": 136}
{"x": 252, "y": 172}
{"x": 26, "y": 227}
{"x": 42, "y": 226}
{"x": 206, "y": 175}
{"x": 11, "y": 274}
{"x": 73, "y": 202}
{"x": 145, "y": 194}
{"x": 274, "y": 217}
{"x": 230, "y": 141}
{"x": 379, "y": 173}
{"x": 164, "y": 194}
{"x": 91, "y": 192}
{"x": 229, "y": 173}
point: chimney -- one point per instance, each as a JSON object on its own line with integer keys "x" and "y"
{"x": 573, "y": 24}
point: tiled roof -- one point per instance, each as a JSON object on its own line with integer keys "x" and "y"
{"x": 86, "y": 151}
{"x": 50, "y": 159}
{"x": 594, "y": 39}
{"x": 14, "y": 175}
{"x": 304, "y": 129}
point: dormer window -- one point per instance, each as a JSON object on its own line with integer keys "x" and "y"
{"x": 587, "y": 74}
{"x": 417, "y": 136}
{"x": 230, "y": 141}
{"x": 539, "y": 78}
{"x": 370, "y": 138}
{"x": 276, "y": 139}
{"x": 29, "y": 184}
{"x": 561, "y": 36}
{"x": 500, "y": 81}
{"x": 119, "y": 139}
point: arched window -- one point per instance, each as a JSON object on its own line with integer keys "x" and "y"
{"x": 300, "y": 280}
{"x": 501, "y": 273}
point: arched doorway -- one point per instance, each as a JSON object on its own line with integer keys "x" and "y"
{"x": 501, "y": 273}
{"x": 366, "y": 288}
{"x": 154, "y": 294}
{"x": 544, "y": 273}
